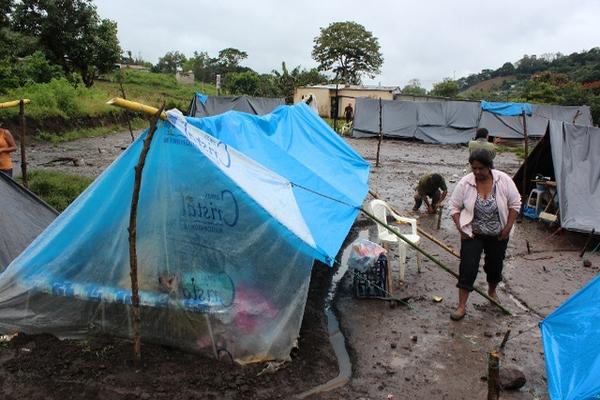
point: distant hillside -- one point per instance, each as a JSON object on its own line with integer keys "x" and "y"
{"x": 569, "y": 80}
{"x": 581, "y": 67}
{"x": 497, "y": 83}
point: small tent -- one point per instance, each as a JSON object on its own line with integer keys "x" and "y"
{"x": 572, "y": 346}
{"x": 570, "y": 155}
{"x": 205, "y": 106}
{"x": 233, "y": 211}
{"x": 24, "y": 217}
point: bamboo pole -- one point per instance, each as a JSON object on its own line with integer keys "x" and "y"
{"x": 127, "y": 111}
{"x": 380, "y": 135}
{"x": 135, "y": 106}
{"x": 423, "y": 232}
{"x": 135, "y": 297}
{"x": 14, "y": 103}
{"x": 526, "y": 137}
{"x": 437, "y": 262}
{"x": 23, "y": 143}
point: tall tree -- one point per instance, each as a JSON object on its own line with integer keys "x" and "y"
{"x": 414, "y": 88}
{"x": 71, "y": 34}
{"x": 348, "y": 50}
{"x": 445, "y": 88}
{"x": 171, "y": 62}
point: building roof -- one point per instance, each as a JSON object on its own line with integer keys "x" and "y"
{"x": 355, "y": 87}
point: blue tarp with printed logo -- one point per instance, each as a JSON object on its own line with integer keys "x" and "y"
{"x": 233, "y": 210}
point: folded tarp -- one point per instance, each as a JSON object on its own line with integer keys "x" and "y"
{"x": 24, "y": 217}
{"x": 572, "y": 346}
{"x": 205, "y": 106}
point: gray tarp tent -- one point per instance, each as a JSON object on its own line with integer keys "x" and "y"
{"x": 455, "y": 121}
{"x": 206, "y": 106}
{"x": 570, "y": 154}
{"x": 23, "y": 217}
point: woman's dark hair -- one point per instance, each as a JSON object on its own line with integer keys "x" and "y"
{"x": 483, "y": 156}
{"x": 481, "y": 133}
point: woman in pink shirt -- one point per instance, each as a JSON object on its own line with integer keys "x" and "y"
{"x": 484, "y": 206}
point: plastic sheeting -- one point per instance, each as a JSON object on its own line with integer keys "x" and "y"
{"x": 225, "y": 244}
{"x": 572, "y": 346}
{"x": 570, "y": 155}
{"x": 432, "y": 122}
{"x": 205, "y": 106}
{"x": 24, "y": 217}
{"x": 507, "y": 109}
{"x": 456, "y": 121}
{"x": 576, "y": 157}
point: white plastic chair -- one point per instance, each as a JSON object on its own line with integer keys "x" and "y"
{"x": 380, "y": 209}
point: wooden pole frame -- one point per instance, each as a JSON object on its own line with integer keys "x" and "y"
{"x": 380, "y": 134}
{"x": 23, "y": 143}
{"x": 135, "y": 297}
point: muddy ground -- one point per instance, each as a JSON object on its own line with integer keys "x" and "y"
{"x": 411, "y": 352}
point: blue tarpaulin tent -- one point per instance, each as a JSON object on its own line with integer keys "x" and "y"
{"x": 571, "y": 338}
{"x": 233, "y": 211}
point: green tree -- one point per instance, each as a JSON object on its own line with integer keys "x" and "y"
{"x": 242, "y": 83}
{"x": 171, "y": 62}
{"x": 348, "y": 50}
{"x": 71, "y": 34}
{"x": 414, "y": 88}
{"x": 230, "y": 58}
{"x": 287, "y": 81}
{"x": 445, "y": 88}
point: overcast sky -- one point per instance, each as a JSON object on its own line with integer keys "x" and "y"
{"x": 429, "y": 41}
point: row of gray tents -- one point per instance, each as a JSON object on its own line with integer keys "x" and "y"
{"x": 455, "y": 121}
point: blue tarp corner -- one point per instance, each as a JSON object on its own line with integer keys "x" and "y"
{"x": 571, "y": 340}
{"x": 202, "y": 97}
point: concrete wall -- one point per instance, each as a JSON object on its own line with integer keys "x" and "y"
{"x": 346, "y": 96}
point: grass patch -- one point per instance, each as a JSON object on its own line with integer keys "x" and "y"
{"x": 136, "y": 123}
{"x": 59, "y": 98}
{"x": 517, "y": 149}
{"x": 56, "y": 188}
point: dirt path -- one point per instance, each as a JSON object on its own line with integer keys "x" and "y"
{"x": 416, "y": 352}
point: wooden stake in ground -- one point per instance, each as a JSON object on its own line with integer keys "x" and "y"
{"x": 587, "y": 242}
{"x": 23, "y": 142}
{"x": 493, "y": 376}
{"x": 135, "y": 297}
{"x": 380, "y": 134}
{"x": 126, "y": 111}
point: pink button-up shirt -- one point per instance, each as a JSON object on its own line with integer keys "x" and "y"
{"x": 465, "y": 193}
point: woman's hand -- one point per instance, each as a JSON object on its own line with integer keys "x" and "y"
{"x": 504, "y": 233}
